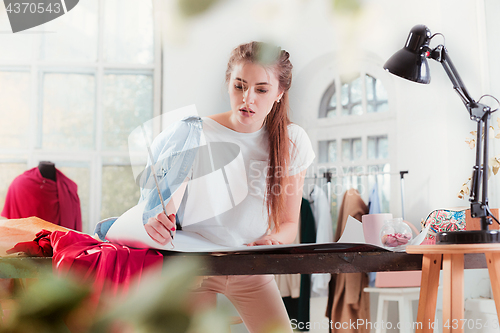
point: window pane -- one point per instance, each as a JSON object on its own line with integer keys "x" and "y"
{"x": 371, "y": 149}
{"x": 323, "y": 151}
{"x": 16, "y": 47}
{"x": 344, "y": 94}
{"x": 357, "y": 148}
{"x": 15, "y": 110}
{"x": 383, "y": 147}
{"x": 356, "y": 90}
{"x": 376, "y": 95}
{"x": 128, "y": 31}
{"x": 328, "y": 103}
{"x": 119, "y": 190}
{"x": 351, "y": 179}
{"x": 75, "y": 37}
{"x": 68, "y": 111}
{"x": 351, "y": 93}
{"x": 333, "y": 101}
{"x": 80, "y": 174}
{"x": 381, "y": 92}
{"x": 327, "y": 151}
{"x": 370, "y": 85}
{"x": 332, "y": 151}
{"x": 346, "y": 150}
{"x": 351, "y": 149}
{"x": 128, "y": 103}
{"x": 357, "y": 110}
{"x": 378, "y": 147}
{"x": 383, "y": 107}
{"x": 8, "y": 171}
{"x": 377, "y": 107}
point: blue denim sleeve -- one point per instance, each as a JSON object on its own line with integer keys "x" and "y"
{"x": 174, "y": 151}
{"x": 102, "y": 228}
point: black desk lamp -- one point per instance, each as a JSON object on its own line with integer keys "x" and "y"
{"x": 411, "y": 63}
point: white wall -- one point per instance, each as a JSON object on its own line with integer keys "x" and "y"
{"x": 431, "y": 121}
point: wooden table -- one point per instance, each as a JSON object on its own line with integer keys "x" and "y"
{"x": 452, "y": 259}
{"x": 306, "y": 261}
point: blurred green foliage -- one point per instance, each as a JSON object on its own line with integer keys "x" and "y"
{"x": 157, "y": 304}
{"x": 190, "y": 8}
{"x": 347, "y": 6}
{"x": 45, "y": 304}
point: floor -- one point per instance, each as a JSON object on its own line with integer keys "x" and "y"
{"x": 319, "y": 322}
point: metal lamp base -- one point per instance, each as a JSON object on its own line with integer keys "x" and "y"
{"x": 468, "y": 237}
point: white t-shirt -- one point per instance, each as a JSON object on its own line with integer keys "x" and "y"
{"x": 225, "y": 196}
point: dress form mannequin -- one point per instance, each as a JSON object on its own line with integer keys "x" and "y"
{"x": 47, "y": 169}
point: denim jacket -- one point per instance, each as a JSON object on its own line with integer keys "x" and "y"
{"x": 174, "y": 151}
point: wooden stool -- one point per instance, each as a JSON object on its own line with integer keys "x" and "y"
{"x": 404, "y": 297}
{"x": 452, "y": 257}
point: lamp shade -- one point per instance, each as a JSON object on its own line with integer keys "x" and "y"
{"x": 411, "y": 62}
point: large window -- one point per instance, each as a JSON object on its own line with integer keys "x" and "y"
{"x": 355, "y": 137}
{"x": 72, "y": 90}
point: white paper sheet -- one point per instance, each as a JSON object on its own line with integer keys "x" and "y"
{"x": 128, "y": 230}
{"x": 353, "y": 232}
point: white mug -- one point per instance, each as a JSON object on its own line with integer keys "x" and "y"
{"x": 372, "y": 224}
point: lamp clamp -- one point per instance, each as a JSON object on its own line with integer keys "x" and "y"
{"x": 477, "y": 111}
{"x": 478, "y": 209}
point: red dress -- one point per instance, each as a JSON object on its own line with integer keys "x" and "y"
{"x": 30, "y": 194}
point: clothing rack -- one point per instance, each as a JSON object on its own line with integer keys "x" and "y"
{"x": 328, "y": 176}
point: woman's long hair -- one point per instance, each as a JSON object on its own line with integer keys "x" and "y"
{"x": 277, "y": 121}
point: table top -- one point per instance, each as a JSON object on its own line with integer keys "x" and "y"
{"x": 13, "y": 231}
{"x": 316, "y": 258}
{"x": 453, "y": 248}
{"x": 261, "y": 263}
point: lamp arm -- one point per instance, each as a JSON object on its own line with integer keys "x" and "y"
{"x": 480, "y": 208}
{"x": 480, "y": 113}
{"x": 441, "y": 55}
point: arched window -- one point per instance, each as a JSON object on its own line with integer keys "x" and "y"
{"x": 355, "y": 136}
{"x": 356, "y": 97}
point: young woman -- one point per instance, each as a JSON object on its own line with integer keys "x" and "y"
{"x": 275, "y": 155}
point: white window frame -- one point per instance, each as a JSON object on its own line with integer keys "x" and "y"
{"x": 95, "y": 158}
{"x": 356, "y": 126}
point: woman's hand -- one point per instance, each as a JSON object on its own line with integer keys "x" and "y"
{"x": 158, "y": 228}
{"x": 266, "y": 240}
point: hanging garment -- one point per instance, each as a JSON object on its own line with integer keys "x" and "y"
{"x": 374, "y": 201}
{"x": 298, "y": 307}
{"x": 347, "y": 302}
{"x": 324, "y": 234}
{"x": 373, "y": 208}
{"x": 30, "y": 194}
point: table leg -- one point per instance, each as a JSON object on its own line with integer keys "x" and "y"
{"x": 431, "y": 265}
{"x": 493, "y": 261}
{"x": 453, "y": 292}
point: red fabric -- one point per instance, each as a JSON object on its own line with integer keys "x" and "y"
{"x": 30, "y": 194}
{"x": 109, "y": 267}
{"x": 39, "y": 247}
